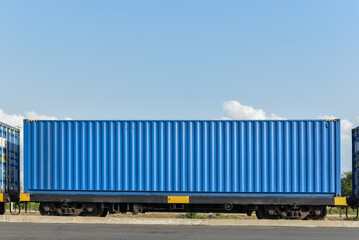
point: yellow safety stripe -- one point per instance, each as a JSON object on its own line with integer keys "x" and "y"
{"x": 340, "y": 201}
{"x": 24, "y": 197}
{"x": 178, "y": 199}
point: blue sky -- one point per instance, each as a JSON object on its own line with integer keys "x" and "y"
{"x": 180, "y": 59}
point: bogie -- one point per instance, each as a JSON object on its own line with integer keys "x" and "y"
{"x": 262, "y": 211}
{"x": 69, "y": 209}
{"x": 291, "y": 212}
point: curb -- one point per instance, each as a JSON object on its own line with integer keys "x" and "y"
{"x": 192, "y": 222}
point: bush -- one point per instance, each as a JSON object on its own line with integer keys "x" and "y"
{"x": 346, "y": 182}
{"x": 194, "y": 215}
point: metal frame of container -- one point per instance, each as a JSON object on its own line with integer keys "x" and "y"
{"x": 325, "y": 196}
{"x": 10, "y": 162}
{"x": 277, "y": 168}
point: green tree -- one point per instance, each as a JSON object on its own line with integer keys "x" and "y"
{"x": 347, "y": 189}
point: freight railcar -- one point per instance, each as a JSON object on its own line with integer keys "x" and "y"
{"x": 354, "y": 201}
{"x": 10, "y": 156}
{"x": 276, "y": 168}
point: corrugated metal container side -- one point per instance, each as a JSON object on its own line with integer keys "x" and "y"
{"x": 237, "y": 158}
{"x": 9, "y": 155}
{"x": 355, "y": 147}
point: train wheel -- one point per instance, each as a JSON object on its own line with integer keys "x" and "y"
{"x": 97, "y": 211}
{"x": 265, "y": 212}
{"x": 318, "y": 213}
{"x": 45, "y": 213}
{"x": 259, "y": 215}
{"x": 2, "y": 208}
{"x": 42, "y": 211}
{"x": 104, "y": 212}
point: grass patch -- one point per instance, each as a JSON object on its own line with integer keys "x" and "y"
{"x": 192, "y": 215}
{"x": 30, "y": 206}
{"x": 336, "y": 210}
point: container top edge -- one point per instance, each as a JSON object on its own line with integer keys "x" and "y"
{"x": 8, "y": 126}
{"x": 186, "y": 120}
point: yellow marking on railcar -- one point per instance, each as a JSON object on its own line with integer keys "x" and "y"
{"x": 178, "y": 199}
{"x": 24, "y": 197}
{"x": 340, "y": 201}
{"x": 332, "y": 120}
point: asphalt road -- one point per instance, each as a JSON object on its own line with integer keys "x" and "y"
{"x": 87, "y": 231}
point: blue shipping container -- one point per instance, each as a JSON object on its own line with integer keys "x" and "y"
{"x": 355, "y": 147}
{"x": 236, "y": 158}
{"x": 9, "y": 155}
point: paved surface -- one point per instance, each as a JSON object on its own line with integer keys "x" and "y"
{"x": 108, "y": 231}
{"x": 177, "y": 221}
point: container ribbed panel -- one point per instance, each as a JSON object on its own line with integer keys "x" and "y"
{"x": 9, "y": 159}
{"x": 207, "y": 157}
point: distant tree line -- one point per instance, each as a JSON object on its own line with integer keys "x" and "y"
{"x": 347, "y": 189}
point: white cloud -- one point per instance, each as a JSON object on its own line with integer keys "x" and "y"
{"x": 16, "y": 120}
{"x": 238, "y": 111}
{"x": 346, "y": 127}
{"x": 11, "y": 119}
{"x": 346, "y": 139}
